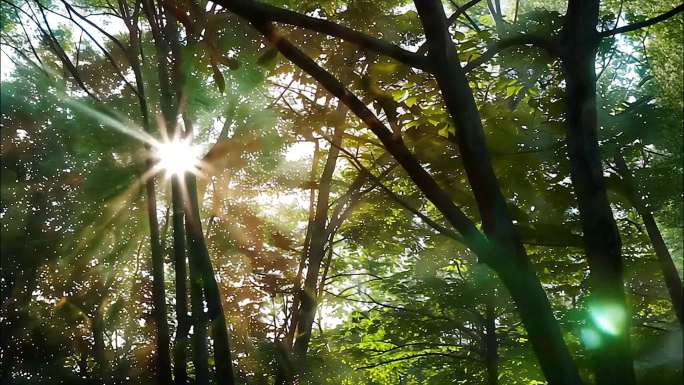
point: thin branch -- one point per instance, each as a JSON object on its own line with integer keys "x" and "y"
{"x": 94, "y": 25}
{"x": 59, "y": 51}
{"x": 461, "y": 10}
{"x": 414, "y": 356}
{"x": 393, "y": 143}
{"x": 546, "y": 44}
{"x": 643, "y": 24}
{"x": 436, "y": 226}
{"x": 28, "y": 39}
{"x": 98, "y": 45}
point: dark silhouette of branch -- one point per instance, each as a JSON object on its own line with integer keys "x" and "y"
{"x": 254, "y": 10}
{"x": 116, "y": 41}
{"x": 415, "y": 356}
{"x": 546, "y": 44}
{"x": 28, "y": 40}
{"x": 392, "y": 142}
{"x": 643, "y": 24}
{"x": 377, "y": 180}
{"x": 461, "y": 10}
{"x": 59, "y": 51}
{"x": 98, "y": 45}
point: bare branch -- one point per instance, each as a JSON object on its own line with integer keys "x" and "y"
{"x": 643, "y": 24}
{"x": 257, "y": 11}
{"x": 415, "y": 356}
{"x": 546, "y": 44}
{"x": 436, "y": 226}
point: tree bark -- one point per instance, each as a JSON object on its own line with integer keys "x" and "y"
{"x": 159, "y": 291}
{"x": 158, "y": 288}
{"x": 611, "y": 357}
{"x": 670, "y": 274}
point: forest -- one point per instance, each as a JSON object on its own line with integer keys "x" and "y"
{"x": 371, "y": 192}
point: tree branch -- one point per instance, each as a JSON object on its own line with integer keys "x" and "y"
{"x": 256, "y": 11}
{"x": 461, "y": 10}
{"x": 472, "y": 237}
{"x": 643, "y": 24}
{"x": 546, "y": 44}
{"x": 377, "y": 180}
{"x": 59, "y": 51}
{"x": 412, "y": 357}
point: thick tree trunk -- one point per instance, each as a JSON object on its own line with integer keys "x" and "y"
{"x": 611, "y": 355}
{"x": 512, "y": 265}
{"x": 308, "y": 302}
{"x": 670, "y": 274}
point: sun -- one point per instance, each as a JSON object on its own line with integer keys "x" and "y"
{"x": 177, "y": 157}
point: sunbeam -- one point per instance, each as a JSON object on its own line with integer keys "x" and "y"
{"x": 176, "y": 157}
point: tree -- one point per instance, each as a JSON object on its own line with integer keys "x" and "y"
{"x": 401, "y": 202}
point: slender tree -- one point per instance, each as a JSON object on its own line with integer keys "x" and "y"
{"x": 667, "y": 266}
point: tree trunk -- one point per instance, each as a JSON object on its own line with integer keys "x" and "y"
{"x": 294, "y": 312}
{"x": 159, "y": 292}
{"x": 219, "y": 328}
{"x": 491, "y": 346}
{"x": 199, "y": 254}
{"x": 521, "y": 279}
{"x": 200, "y": 356}
{"x": 180, "y": 267}
{"x": 672, "y": 280}
{"x": 611, "y": 354}
{"x": 512, "y": 265}
{"x": 307, "y": 309}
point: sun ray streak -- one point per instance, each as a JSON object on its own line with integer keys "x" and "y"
{"x": 128, "y": 129}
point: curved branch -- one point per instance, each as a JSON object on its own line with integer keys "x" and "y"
{"x": 549, "y": 45}
{"x": 253, "y": 10}
{"x": 393, "y": 143}
{"x": 59, "y": 51}
{"x": 461, "y": 10}
{"x": 415, "y": 356}
{"x": 643, "y": 24}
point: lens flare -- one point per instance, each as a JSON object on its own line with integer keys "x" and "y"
{"x": 590, "y": 338}
{"x": 609, "y": 318}
{"x": 177, "y": 157}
